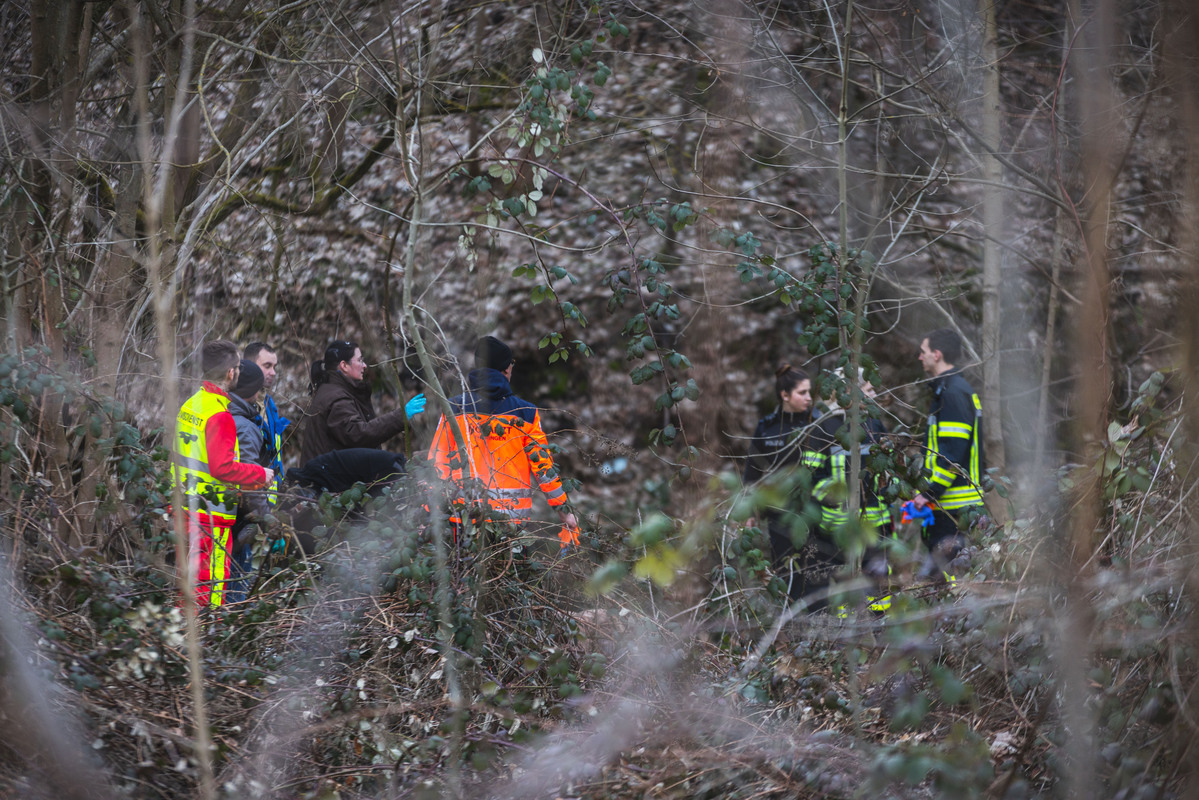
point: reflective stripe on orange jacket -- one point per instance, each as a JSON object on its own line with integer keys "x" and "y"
{"x": 507, "y": 450}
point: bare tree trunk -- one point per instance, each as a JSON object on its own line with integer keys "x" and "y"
{"x": 1092, "y": 388}
{"x": 113, "y": 290}
{"x": 1043, "y": 432}
{"x": 717, "y": 159}
{"x": 158, "y": 192}
{"x": 1181, "y": 55}
{"x": 52, "y": 26}
{"x": 857, "y": 302}
{"x": 993, "y": 219}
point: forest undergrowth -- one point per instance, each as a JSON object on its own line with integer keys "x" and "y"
{"x": 668, "y": 201}
{"x": 655, "y": 662}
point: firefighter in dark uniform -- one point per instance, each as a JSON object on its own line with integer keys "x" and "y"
{"x": 953, "y": 456}
{"x": 780, "y": 443}
{"x": 831, "y": 487}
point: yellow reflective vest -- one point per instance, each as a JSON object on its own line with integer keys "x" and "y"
{"x": 205, "y": 462}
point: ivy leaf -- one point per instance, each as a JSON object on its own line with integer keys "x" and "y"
{"x": 606, "y": 577}
{"x": 653, "y": 531}
{"x": 658, "y": 565}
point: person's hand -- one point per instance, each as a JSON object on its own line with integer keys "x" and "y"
{"x": 568, "y": 519}
{"x": 920, "y": 501}
{"x": 416, "y": 405}
{"x": 270, "y": 476}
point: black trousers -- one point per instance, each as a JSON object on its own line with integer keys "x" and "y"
{"x": 951, "y": 523}
{"x": 340, "y": 469}
{"x": 806, "y": 570}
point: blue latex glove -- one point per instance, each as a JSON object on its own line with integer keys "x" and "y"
{"x": 416, "y": 405}
{"x": 910, "y": 513}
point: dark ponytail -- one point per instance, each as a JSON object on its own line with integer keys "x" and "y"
{"x": 335, "y": 353}
{"x": 787, "y": 377}
{"x": 316, "y": 376}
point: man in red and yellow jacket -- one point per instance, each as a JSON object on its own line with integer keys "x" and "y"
{"x": 206, "y": 468}
{"x": 506, "y": 450}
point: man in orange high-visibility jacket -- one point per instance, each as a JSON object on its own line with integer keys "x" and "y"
{"x": 506, "y": 448}
{"x": 206, "y": 468}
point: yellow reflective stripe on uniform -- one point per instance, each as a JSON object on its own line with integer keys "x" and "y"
{"x": 877, "y": 514}
{"x": 873, "y": 516}
{"x": 218, "y": 565}
{"x": 943, "y": 476}
{"x": 823, "y": 489}
{"x": 975, "y": 470}
{"x": 812, "y": 460}
{"x": 954, "y": 430}
{"x": 961, "y": 497}
{"x": 839, "y": 463}
{"x": 833, "y": 517}
{"x": 272, "y": 495}
{"x": 878, "y": 603}
{"x": 930, "y": 454}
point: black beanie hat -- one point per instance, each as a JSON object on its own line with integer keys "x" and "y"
{"x": 250, "y": 380}
{"x": 491, "y": 352}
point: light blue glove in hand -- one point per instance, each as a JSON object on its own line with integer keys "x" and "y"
{"x": 416, "y": 405}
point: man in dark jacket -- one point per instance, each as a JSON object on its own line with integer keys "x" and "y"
{"x": 507, "y": 449}
{"x": 953, "y": 454}
{"x": 247, "y": 414}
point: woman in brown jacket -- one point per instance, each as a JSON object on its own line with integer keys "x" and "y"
{"x": 341, "y": 415}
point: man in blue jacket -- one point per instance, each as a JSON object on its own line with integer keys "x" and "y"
{"x": 953, "y": 454}
{"x": 273, "y": 424}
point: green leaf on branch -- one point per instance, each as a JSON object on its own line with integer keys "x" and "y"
{"x": 606, "y": 577}
{"x": 659, "y": 565}
{"x": 652, "y": 531}
{"x": 645, "y": 373}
